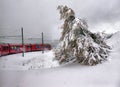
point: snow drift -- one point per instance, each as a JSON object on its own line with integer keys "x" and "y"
{"x": 77, "y": 43}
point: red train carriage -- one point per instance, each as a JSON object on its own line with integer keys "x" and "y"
{"x": 4, "y": 49}
{"x": 15, "y": 48}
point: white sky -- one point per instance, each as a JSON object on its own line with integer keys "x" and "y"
{"x": 37, "y": 16}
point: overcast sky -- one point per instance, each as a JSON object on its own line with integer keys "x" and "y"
{"x": 37, "y": 16}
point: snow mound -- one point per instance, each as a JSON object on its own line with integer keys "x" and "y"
{"x": 32, "y": 60}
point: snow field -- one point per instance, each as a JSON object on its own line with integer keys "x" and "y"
{"x": 32, "y": 60}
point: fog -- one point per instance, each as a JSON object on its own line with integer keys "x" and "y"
{"x": 37, "y": 16}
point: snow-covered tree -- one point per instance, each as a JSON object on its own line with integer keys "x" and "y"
{"x": 77, "y": 43}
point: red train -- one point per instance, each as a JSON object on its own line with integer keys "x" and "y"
{"x": 6, "y": 49}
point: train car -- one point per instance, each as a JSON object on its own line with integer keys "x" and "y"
{"x": 27, "y": 47}
{"x": 15, "y": 48}
{"x": 4, "y": 49}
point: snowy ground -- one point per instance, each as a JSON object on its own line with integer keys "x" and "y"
{"x": 16, "y": 71}
{"x": 31, "y": 60}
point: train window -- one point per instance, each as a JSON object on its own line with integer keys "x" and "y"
{"x": 17, "y": 48}
{"x": 5, "y": 48}
{"x": 12, "y": 48}
{"x": 28, "y": 46}
{"x": 37, "y": 46}
{"x": 47, "y": 46}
